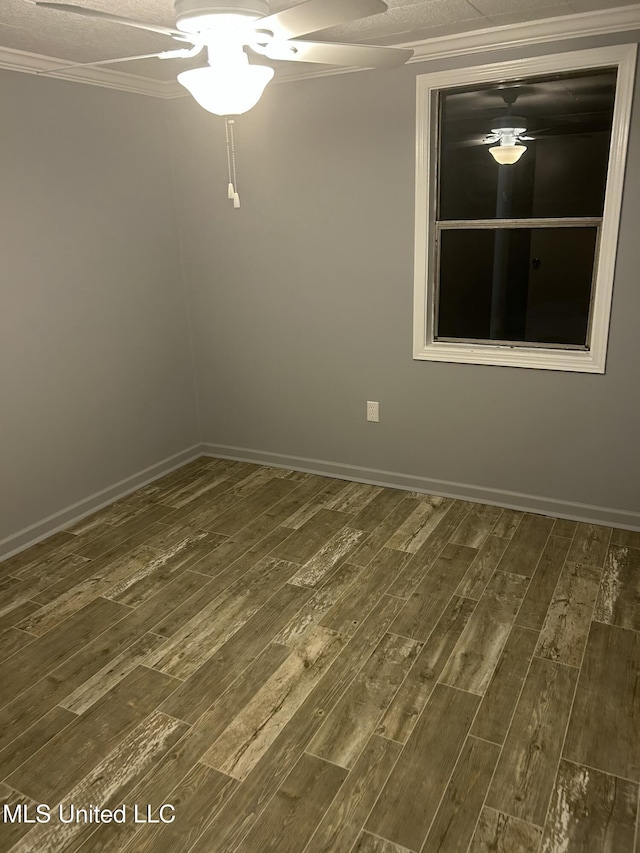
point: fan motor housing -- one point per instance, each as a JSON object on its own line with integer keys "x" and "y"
{"x": 188, "y": 12}
{"x": 509, "y": 122}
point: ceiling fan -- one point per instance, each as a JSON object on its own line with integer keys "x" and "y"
{"x": 229, "y": 84}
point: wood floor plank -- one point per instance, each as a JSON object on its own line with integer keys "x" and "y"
{"x": 508, "y": 523}
{"x": 477, "y": 525}
{"x": 81, "y": 570}
{"x": 78, "y": 665}
{"x": 23, "y": 747}
{"x": 121, "y": 535}
{"x": 320, "y": 603}
{"x": 527, "y": 545}
{"x": 30, "y": 664}
{"x": 455, "y": 820}
{"x": 114, "y": 513}
{"x": 430, "y": 549}
{"x": 255, "y": 728}
{"x": 258, "y": 478}
{"x": 157, "y": 609}
{"x": 333, "y": 554}
{"x": 13, "y": 831}
{"x": 202, "y": 511}
{"x": 497, "y": 706}
{"x": 251, "y": 797}
{"x": 348, "y": 727}
{"x": 477, "y": 652}
{"x": 74, "y": 752}
{"x": 628, "y": 538}
{"x": 368, "y": 843}
{"x": 305, "y": 511}
{"x": 14, "y": 596}
{"x": 36, "y": 553}
{"x": 501, "y": 833}
{"x": 420, "y": 524}
{"x": 41, "y": 577}
{"x": 278, "y": 515}
{"x": 76, "y": 668}
{"x": 353, "y": 498}
{"x": 102, "y": 577}
{"x": 258, "y": 501}
{"x": 432, "y": 594}
{"x": 349, "y": 611}
{"x": 564, "y": 527}
{"x": 411, "y": 796}
{"x": 12, "y": 640}
{"x": 217, "y": 585}
{"x": 604, "y": 730}
{"x": 215, "y": 675}
{"x": 296, "y": 809}
{"x": 245, "y": 549}
{"x": 482, "y": 568}
{"x": 191, "y": 646}
{"x": 106, "y": 678}
{"x": 150, "y": 579}
{"x": 308, "y": 539}
{"x": 590, "y": 812}
{"x": 15, "y": 616}
{"x": 341, "y": 822}
{"x": 413, "y": 693}
{"x": 196, "y": 800}
{"x": 590, "y": 543}
{"x": 619, "y": 596}
{"x": 564, "y": 634}
{"x": 377, "y": 510}
{"x": 380, "y": 535}
{"x": 108, "y": 785}
{"x": 156, "y": 786}
{"x": 525, "y": 775}
{"x": 188, "y": 490}
{"x": 536, "y": 602}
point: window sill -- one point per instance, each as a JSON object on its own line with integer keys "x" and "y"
{"x": 512, "y": 356}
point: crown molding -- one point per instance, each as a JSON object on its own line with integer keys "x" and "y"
{"x": 561, "y": 28}
{"x": 35, "y": 63}
{"x": 581, "y": 25}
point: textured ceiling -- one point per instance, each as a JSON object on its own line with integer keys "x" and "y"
{"x": 69, "y": 37}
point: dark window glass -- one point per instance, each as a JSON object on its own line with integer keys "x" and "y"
{"x": 563, "y": 171}
{"x": 529, "y": 285}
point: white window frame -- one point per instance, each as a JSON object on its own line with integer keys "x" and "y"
{"x": 425, "y": 347}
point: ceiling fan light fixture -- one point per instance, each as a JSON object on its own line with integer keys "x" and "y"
{"x": 227, "y": 90}
{"x": 201, "y": 16}
{"x": 507, "y": 155}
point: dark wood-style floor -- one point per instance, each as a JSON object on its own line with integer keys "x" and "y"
{"x": 298, "y": 663}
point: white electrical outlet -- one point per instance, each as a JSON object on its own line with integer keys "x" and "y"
{"x": 373, "y": 411}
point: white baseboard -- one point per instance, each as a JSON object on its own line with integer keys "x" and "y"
{"x": 479, "y": 494}
{"x": 65, "y": 517}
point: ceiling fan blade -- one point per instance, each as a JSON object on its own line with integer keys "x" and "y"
{"x": 165, "y": 54}
{"x": 75, "y": 65}
{"x": 351, "y": 55}
{"x": 105, "y": 16}
{"x": 318, "y": 15}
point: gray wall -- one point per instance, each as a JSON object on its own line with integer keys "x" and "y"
{"x": 302, "y": 307}
{"x": 95, "y": 365}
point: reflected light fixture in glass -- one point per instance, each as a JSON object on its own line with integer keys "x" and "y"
{"x": 507, "y": 155}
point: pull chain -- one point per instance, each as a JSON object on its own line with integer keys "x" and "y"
{"x": 231, "y": 188}
{"x": 232, "y": 191}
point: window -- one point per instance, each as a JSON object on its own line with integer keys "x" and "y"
{"x": 520, "y": 169}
